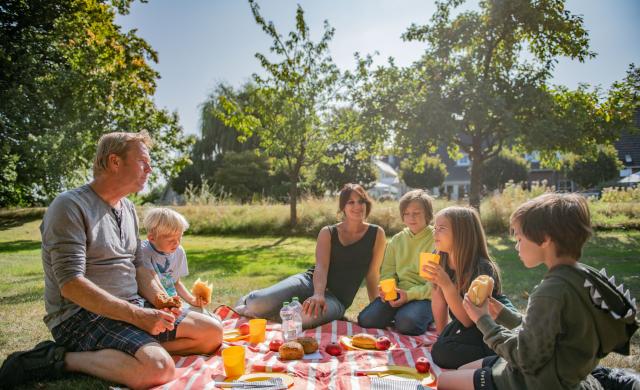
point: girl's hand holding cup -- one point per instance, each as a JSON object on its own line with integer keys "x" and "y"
{"x": 437, "y": 275}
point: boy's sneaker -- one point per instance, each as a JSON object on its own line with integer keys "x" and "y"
{"x": 44, "y": 362}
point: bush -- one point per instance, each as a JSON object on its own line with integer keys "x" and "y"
{"x": 617, "y": 209}
{"x": 428, "y": 174}
{"x": 589, "y": 171}
{"x": 504, "y": 168}
{"x": 620, "y": 195}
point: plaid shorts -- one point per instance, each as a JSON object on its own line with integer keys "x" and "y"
{"x": 87, "y": 331}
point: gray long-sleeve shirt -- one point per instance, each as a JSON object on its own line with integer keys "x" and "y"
{"x": 81, "y": 237}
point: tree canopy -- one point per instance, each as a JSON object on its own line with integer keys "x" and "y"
{"x": 483, "y": 84}
{"x": 430, "y": 172}
{"x": 589, "y": 171}
{"x": 504, "y": 167}
{"x": 286, "y": 109}
{"x": 216, "y": 138}
{"x": 67, "y": 75}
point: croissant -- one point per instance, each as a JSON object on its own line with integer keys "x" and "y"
{"x": 163, "y": 301}
{"x": 203, "y": 290}
{"x": 480, "y": 289}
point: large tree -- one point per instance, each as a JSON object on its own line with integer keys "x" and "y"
{"x": 67, "y": 75}
{"x": 504, "y": 167}
{"x": 286, "y": 109}
{"x": 589, "y": 171}
{"x": 216, "y": 138}
{"x": 347, "y": 161}
{"x": 482, "y": 84}
{"x": 428, "y": 173}
{"x": 345, "y": 166}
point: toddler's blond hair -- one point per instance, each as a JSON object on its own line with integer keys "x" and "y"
{"x": 161, "y": 220}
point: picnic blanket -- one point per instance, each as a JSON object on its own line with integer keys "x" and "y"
{"x": 327, "y": 372}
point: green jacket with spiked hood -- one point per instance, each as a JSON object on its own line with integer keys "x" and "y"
{"x": 575, "y": 317}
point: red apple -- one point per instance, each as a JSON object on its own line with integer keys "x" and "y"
{"x": 243, "y": 329}
{"x": 275, "y": 344}
{"x": 422, "y": 365}
{"x": 383, "y": 343}
{"x": 333, "y": 349}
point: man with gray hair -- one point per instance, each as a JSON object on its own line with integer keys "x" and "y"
{"x": 100, "y": 323}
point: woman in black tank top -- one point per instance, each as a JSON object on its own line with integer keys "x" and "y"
{"x": 346, "y": 253}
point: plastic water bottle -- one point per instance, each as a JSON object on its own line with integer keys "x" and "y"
{"x": 296, "y": 319}
{"x": 286, "y": 315}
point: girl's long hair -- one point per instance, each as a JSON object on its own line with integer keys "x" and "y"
{"x": 469, "y": 246}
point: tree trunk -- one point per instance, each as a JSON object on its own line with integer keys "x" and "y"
{"x": 477, "y": 165}
{"x": 476, "y": 184}
{"x": 293, "y": 201}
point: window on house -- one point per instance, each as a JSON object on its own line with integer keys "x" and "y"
{"x": 532, "y": 157}
{"x": 464, "y": 161}
{"x": 565, "y": 186}
{"x": 627, "y": 158}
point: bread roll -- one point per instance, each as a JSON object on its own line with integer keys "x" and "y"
{"x": 480, "y": 289}
{"x": 309, "y": 344}
{"x": 163, "y": 301}
{"x": 363, "y": 340}
{"x": 203, "y": 290}
{"x": 291, "y": 351}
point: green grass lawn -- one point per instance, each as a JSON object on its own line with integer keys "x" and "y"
{"x": 237, "y": 264}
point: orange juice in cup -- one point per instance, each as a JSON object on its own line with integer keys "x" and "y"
{"x": 233, "y": 361}
{"x": 425, "y": 258}
{"x": 257, "y": 330}
{"x": 388, "y": 287}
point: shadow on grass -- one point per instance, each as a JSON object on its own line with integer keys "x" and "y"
{"x": 15, "y": 218}
{"x": 70, "y": 381}
{"x": 231, "y": 261}
{"x": 23, "y": 279}
{"x": 19, "y": 245}
{"x": 26, "y": 297}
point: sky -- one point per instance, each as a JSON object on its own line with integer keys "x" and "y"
{"x": 203, "y": 42}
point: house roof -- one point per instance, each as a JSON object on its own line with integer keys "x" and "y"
{"x": 455, "y": 173}
{"x": 386, "y": 168}
{"x": 458, "y": 174}
{"x": 629, "y": 145}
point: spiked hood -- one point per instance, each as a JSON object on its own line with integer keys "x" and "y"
{"x": 613, "y": 310}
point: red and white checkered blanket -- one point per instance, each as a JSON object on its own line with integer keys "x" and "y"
{"x": 329, "y": 372}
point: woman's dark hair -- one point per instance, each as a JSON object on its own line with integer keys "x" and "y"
{"x": 345, "y": 194}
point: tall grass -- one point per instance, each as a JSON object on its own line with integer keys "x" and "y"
{"x": 211, "y": 212}
{"x": 611, "y": 212}
{"x": 273, "y": 219}
{"x": 496, "y": 209}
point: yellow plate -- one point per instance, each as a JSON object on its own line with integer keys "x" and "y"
{"x": 348, "y": 343}
{"x": 263, "y": 376}
{"x": 233, "y": 335}
{"x": 402, "y": 372}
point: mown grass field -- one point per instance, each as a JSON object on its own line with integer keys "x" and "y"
{"x": 237, "y": 264}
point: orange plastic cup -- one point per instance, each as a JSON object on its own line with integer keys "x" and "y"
{"x": 257, "y": 330}
{"x": 233, "y": 361}
{"x": 425, "y": 258}
{"x": 388, "y": 287}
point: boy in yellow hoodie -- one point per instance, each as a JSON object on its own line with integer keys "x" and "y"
{"x": 411, "y": 312}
